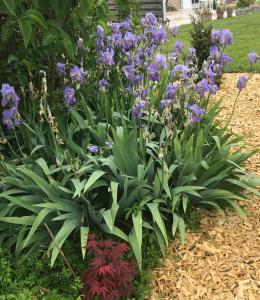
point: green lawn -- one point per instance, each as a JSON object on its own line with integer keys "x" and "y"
{"x": 246, "y": 30}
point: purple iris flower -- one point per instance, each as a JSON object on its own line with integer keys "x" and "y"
{"x": 175, "y": 30}
{"x": 138, "y": 109}
{"x": 93, "y": 149}
{"x": 222, "y": 37}
{"x": 69, "y": 96}
{"x": 185, "y": 71}
{"x": 115, "y": 39}
{"x": 241, "y": 83}
{"x": 191, "y": 52}
{"x": 60, "y": 69}
{"x": 160, "y": 36}
{"x": 197, "y": 112}
{"x": 149, "y": 20}
{"x": 77, "y": 74}
{"x": 173, "y": 58}
{"x": 131, "y": 74}
{"x": 202, "y": 87}
{"x": 126, "y": 25}
{"x": 130, "y": 40}
{"x": 10, "y": 118}
{"x": 100, "y": 31}
{"x": 103, "y": 84}
{"x": 171, "y": 90}
{"x": 160, "y": 61}
{"x": 253, "y": 57}
{"x": 210, "y": 74}
{"x": 213, "y": 50}
{"x": 116, "y": 27}
{"x": 225, "y": 59}
{"x": 178, "y": 47}
{"x": 153, "y": 72}
{"x": 107, "y": 57}
{"x": 164, "y": 103}
{"x": 142, "y": 94}
{"x": 213, "y": 89}
{"x": 9, "y": 95}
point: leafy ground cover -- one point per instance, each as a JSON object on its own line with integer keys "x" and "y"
{"x": 246, "y": 30}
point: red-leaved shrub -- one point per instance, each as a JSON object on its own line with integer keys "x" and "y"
{"x": 110, "y": 275}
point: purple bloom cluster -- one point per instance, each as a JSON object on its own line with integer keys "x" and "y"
{"x": 222, "y": 37}
{"x": 138, "y": 109}
{"x": 159, "y": 63}
{"x": 69, "y": 96}
{"x": 165, "y": 103}
{"x": 197, "y": 113}
{"x": 178, "y": 47}
{"x": 203, "y": 87}
{"x": 253, "y": 58}
{"x": 10, "y": 102}
{"x": 93, "y": 149}
{"x": 225, "y": 59}
{"x": 183, "y": 71}
{"x": 132, "y": 75}
{"x": 149, "y": 20}
{"x": 77, "y": 74}
{"x": 103, "y": 84}
{"x": 171, "y": 90}
{"x": 191, "y": 52}
{"x": 175, "y": 30}
{"x": 241, "y": 83}
{"x": 135, "y": 50}
{"x": 60, "y": 69}
{"x": 215, "y": 63}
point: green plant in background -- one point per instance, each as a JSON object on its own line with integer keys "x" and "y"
{"x": 201, "y": 39}
{"x": 245, "y": 3}
{"x": 127, "y": 7}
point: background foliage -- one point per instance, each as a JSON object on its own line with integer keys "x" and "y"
{"x": 34, "y": 34}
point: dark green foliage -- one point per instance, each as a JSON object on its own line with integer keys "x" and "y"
{"x": 34, "y": 35}
{"x": 201, "y": 39}
{"x": 129, "y": 193}
{"x": 244, "y": 3}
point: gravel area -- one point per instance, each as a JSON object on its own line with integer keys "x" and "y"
{"x": 222, "y": 260}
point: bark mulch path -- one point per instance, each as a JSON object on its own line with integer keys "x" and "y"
{"x": 222, "y": 260}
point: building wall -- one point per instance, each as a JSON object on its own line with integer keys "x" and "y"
{"x": 186, "y": 4}
{"x": 180, "y": 4}
{"x": 174, "y": 4}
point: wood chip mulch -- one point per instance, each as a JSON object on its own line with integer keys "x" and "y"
{"x": 222, "y": 260}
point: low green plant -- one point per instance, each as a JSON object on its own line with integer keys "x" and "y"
{"x": 34, "y": 279}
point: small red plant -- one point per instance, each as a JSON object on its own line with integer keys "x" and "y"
{"x": 110, "y": 275}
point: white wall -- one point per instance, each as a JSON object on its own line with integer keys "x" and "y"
{"x": 186, "y": 4}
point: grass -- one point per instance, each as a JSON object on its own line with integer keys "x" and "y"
{"x": 246, "y": 30}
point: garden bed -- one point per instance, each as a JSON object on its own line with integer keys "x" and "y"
{"x": 222, "y": 261}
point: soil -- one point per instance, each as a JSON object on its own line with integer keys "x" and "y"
{"x": 222, "y": 260}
